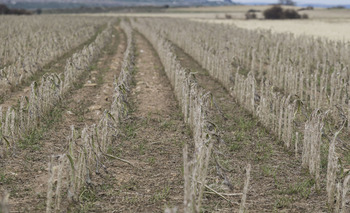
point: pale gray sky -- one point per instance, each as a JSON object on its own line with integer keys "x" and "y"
{"x": 332, "y": 2}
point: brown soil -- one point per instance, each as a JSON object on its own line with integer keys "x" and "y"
{"x": 278, "y": 183}
{"x": 25, "y": 176}
{"x": 152, "y": 140}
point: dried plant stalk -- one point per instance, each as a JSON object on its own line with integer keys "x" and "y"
{"x": 195, "y": 104}
{"x": 4, "y": 206}
{"x": 345, "y": 191}
{"x": 44, "y": 96}
{"x": 242, "y": 207}
{"x": 332, "y": 169}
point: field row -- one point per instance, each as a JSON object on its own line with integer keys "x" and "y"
{"x": 21, "y": 125}
{"x": 259, "y": 109}
{"x": 297, "y": 87}
{"x": 17, "y": 121}
{"x": 30, "y": 43}
{"x": 88, "y": 148}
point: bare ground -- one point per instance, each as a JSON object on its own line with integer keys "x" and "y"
{"x": 25, "y": 175}
{"x": 278, "y": 183}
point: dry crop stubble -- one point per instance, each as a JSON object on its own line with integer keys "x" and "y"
{"x": 327, "y": 29}
{"x": 197, "y": 105}
{"x": 40, "y": 41}
{"x": 86, "y": 156}
{"x": 153, "y": 138}
{"x": 296, "y": 86}
{"x": 17, "y": 122}
{"x": 275, "y": 172}
{"x": 99, "y": 43}
{"x": 226, "y": 59}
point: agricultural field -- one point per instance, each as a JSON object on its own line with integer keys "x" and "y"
{"x": 174, "y": 112}
{"x": 326, "y": 23}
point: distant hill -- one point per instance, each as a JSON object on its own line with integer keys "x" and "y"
{"x": 60, "y": 4}
{"x": 302, "y": 5}
{"x": 57, "y": 4}
{"x": 324, "y": 5}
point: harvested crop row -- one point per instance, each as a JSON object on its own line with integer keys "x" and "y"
{"x": 273, "y": 170}
{"x": 244, "y": 89}
{"x": 15, "y": 122}
{"x": 316, "y": 70}
{"x": 196, "y": 106}
{"x": 29, "y": 43}
{"x": 87, "y": 150}
{"x": 310, "y": 70}
{"x": 82, "y": 106}
{"x": 119, "y": 108}
{"x": 279, "y": 113}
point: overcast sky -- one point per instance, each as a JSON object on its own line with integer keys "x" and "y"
{"x": 300, "y": 1}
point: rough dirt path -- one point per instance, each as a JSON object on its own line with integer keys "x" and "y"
{"x": 278, "y": 183}
{"x": 152, "y": 139}
{"x": 26, "y": 174}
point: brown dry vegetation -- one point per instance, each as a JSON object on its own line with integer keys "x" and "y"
{"x": 250, "y": 88}
{"x": 25, "y": 175}
{"x": 152, "y": 137}
{"x": 145, "y": 166}
{"x": 277, "y": 180}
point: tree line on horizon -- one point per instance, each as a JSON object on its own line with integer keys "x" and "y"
{"x": 4, "y": 10}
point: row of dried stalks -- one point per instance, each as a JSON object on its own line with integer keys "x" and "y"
{"x": 73, "y": 172}
{"x": 196, "y": 104}
{"x": 27, "y": 45}
{"x": 292, "y": 84}
{"x": 17, "y": 121}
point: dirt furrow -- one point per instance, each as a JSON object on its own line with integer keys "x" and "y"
{"x": 25, "y": 175}
{"x": 278, "y": 183}
{"x": 153, "y": 139}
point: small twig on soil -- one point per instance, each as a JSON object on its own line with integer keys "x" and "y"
{"x": 226, "y": 194}
{"x": 120, "y": 159}
{"x": 154, "y": 143}
{"x": 217, "y": 193}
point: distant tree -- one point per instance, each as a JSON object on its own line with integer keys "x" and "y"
{"x": 306, "y": 8}
{"x": 19, "y": 12}
{"x": 38, "y": 11}
{"x": 4, "y": 9}
{"x": 286, "y": 2}
{"x": 253, "y": 11}
{"x": 277, "y": 12}
{"x": 291, "y": 14}
{"x": 337, "y": 7}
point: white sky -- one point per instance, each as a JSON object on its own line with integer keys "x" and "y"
{"x": 300, "y": 1}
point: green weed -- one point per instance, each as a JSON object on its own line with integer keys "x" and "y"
{"x": 161, "y": 195}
